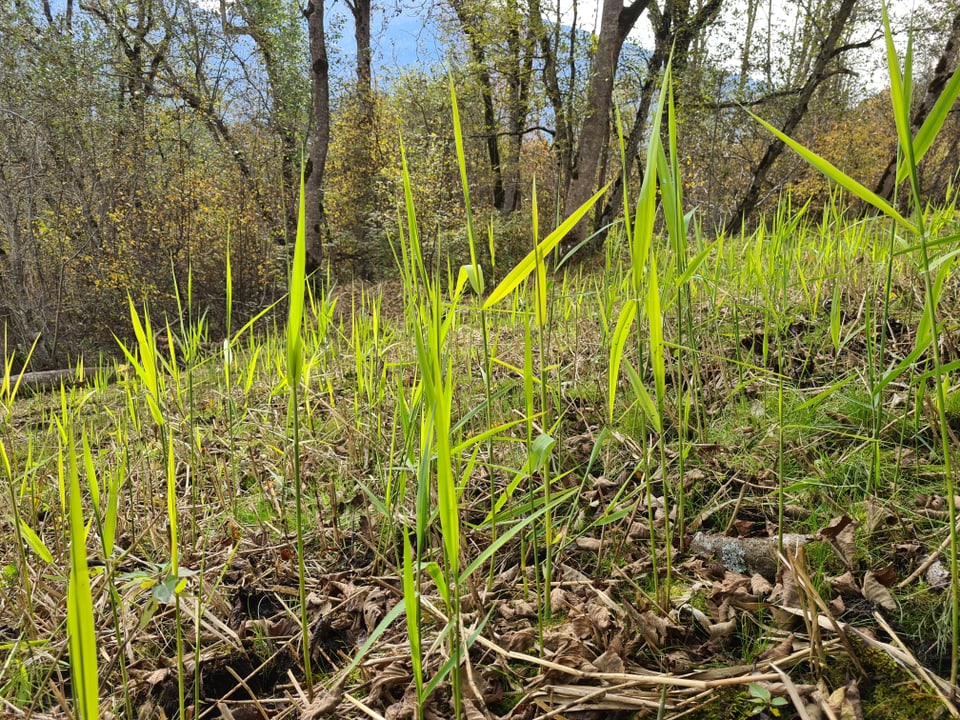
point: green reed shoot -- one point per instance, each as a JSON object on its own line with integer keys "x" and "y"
{"x": 81, "y": 624}
{"x": 912, "y": 149}
{"x": 295, "y": 299}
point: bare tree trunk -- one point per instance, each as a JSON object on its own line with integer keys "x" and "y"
{"x": 360, "y": 9}
{"x": 563, "y": 134}
{"x": 674, "y": 32}
{"x": 818, "y": 73}
{"x": 320, "y": 135}
{"x": 616, "y": 21}
{"x": 520, "y": 66}
{"x": 941, "y": 75}
{"x": 470, "y": 23}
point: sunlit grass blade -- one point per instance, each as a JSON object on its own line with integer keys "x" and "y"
{"x": 526, "y": 266}
{"x": 34, "y": 542}
{"x": 294, "y": 345}
{"x": 647, "y": 403}
{"x": 833, "y": 173}
{"x": 410, "y": 602}
{"x": 620, "y": 335}
{"x": 295, "y": 297}
{"x": 80, "y": 619}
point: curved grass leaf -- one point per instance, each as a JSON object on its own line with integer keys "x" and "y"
{"x": 838, "y": 176}
{"x": 526, "y": 266}
{"x": 620, "y": 334}
{"x": 82, "y": 639}
{"x": 34, "y": 541}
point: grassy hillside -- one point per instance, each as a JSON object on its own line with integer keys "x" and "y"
{"x": 712, "y": 478}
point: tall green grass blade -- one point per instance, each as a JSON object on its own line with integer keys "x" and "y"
{"x": 655, "y": 326}
{"x": 410, "y": 604}
{"x": 620, "y": 335}
{"x": 297, "y": 294}
{"x": 81, "y": 624}
{"x": 526, "y": 266}
{"x": 294, "y": 343}
{"x": 833, "y": 173}
{"x": 647, "y": 403}
{"x": 34, "y": 542}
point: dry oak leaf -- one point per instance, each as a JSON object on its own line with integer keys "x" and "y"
{"x": 588, "y": 543}
{"x": 559, "y": 599}
{"x": 654, "y": 629}
{"x": 609, "y": 661}
{"x": 837, "y": 606}
{"x": 393, "y": 675}
{"x": 406, "y": 708}
{"x": 582, "y": 626}
{"x": 722, "y": 630}
{"x": 875, "y": 592}
{"x": 472, "y": 712}
{"x": 840, "y": 534}
{"x": 845, "y": 584}
{"x": 520, "y": 640}
{"x": 324, "y": 705}
{"x": 780, "y": 650}
{"x": 518, "y": 609}
{"x": 759, "y": 585}
{"x": 600, "y": 615}
{"x": 845, "y": 702}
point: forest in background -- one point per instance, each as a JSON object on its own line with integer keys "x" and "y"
{"x": 144, "y": 141}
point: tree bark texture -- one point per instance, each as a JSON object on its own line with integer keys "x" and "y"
{"x": 616, "y": 21}
{"x": 320, "y": 135}
{"x": 818, "y": 74}
{"x": 941, "y": 76}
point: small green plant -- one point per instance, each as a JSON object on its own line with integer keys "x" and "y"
{"x": 763, "y": 702}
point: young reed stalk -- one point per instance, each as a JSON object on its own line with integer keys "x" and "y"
{"x": 912, "y": 149}
{"x": 294, "y": 345}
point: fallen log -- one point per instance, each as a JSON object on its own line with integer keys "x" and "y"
{"x": 44, "y": 380}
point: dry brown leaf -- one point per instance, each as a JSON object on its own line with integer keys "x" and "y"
{"x": 572, "y": 654}
{"x": 845, "y": 584}
{"x": 375, "y": 608}
{"x": 582, "y": 626}
{"x": 837, "y": 606}
{"x": 520, "y": 640}
{"x": 875, "y": 592}
{"x": 887, "y": 576}
{"x": 589, "y": 544}
{"x": 324, "y": 705}
{"x": 518, "y": 609}
{"x": 780, "y": 650}
{"x": 879, "y": 516}
{"x": 840, "y": 533}
{"x": 406, "y": 708}
{"x": 559, "y": 599}
{"x": 845, "y": 702}
{"x": 759, "y": 585}
{"x": 599, "y": 615}
{"x": 734, "y": 591}
{"x": 722, "y": 630}
{"x": 610, "y": 661}
{"x": 386, "y": 678}
{"x": 472, "y": 712}
{"x": 789, "y": 597}
{"x": 654, "y": 629}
